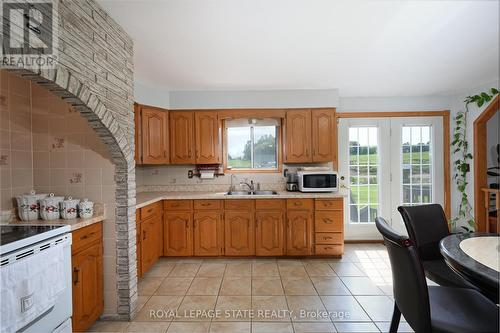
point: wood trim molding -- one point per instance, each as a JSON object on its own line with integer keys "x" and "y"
{"x": 445, "y": 114}
{"x": 389, "y": 114}
{"x": 480, "y": 153}
{"x": 447, "y": 165}
{"x": 251, "y": 113}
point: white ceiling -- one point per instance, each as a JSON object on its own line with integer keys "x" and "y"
{"x": 363, "y": 48}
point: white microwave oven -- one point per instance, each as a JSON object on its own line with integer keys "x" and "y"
{"x": 318, "y": 181}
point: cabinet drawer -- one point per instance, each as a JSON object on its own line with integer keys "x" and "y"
{"x": 266, "y": 204}
{"x": 84, "y": 237}
{"x": 300, "y": 204}
{"x": 207, "y": 204}
{"x": 238, "y": 204}
{"x": 329, "y": 250}
{"x": 328, "y": 204}
{"x": 329, "y": 238}
{"x": 329, "y": 221}
{"x": 178, "y": 205}
{"x": 150, "y": 210}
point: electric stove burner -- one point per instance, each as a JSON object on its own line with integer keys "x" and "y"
{"x": 10, "y": 233}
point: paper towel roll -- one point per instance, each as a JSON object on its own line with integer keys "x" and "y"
{"x": 207, "y": 174}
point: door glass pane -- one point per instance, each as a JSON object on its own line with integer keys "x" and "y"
{"x": 416, "y": 165}
{"x": 363, "y": 174}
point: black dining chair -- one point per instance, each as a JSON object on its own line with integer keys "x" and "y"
{"x": 426, "y": 226}
{"x": 435, "y": 308}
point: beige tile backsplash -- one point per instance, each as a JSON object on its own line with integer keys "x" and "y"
{"x": 174, "y": 178}
{"x": 47, "y": 146}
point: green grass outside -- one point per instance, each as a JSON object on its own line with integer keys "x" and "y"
{"x": 362, "y": 197}
{"x": 239, "y": 164}
{"x": 373, "y": 158}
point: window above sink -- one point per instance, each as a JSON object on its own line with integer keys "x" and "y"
{"x": 252, "y": 145}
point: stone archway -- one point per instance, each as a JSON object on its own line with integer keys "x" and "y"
{"x": 61, "y": 83}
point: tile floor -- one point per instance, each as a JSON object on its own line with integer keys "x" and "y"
{"x": 352, "y": 294}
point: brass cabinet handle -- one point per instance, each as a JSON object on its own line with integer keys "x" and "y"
{"x": 205, "y": 204}
{"x": 143, "y": 234}
{"x": 327, "y": 220}
{"x": 87, "y": 235}
{"x": 76, "y": 272}
{"x": 298, "y": 203}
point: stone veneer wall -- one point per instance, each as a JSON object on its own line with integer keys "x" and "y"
{"x": 95, "y": 76}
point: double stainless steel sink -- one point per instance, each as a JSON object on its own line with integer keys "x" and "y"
{"x": 253, "y": 193}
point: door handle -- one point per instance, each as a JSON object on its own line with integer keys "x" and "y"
{"x": 143, "y": 234}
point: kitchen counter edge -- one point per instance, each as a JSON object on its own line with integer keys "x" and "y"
{"x": 146, "y": 198}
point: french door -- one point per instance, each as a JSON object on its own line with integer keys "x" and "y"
{"x": 385, "y": 163}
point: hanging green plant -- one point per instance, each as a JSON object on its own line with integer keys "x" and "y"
{"x": 462, "y": 163}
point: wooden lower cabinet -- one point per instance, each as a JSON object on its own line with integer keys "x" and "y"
{"x": 239, "y": 227}
{"x": 329, "y": 227}
{"x": 239, "y": 233}
{"x": 208, "y": 233}
{"x": 87, "y": 268}
{"x": 151, "y": 240}
{"x": 299, "y": 233}
{"x": 178, "y": 234}
{"x": 269, "y": 227}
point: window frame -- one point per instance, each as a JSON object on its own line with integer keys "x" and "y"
{"x": 279, "y": 144}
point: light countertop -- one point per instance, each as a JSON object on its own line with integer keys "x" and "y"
{"x": 147, "y": 198}
{"x": 75, "y": 224}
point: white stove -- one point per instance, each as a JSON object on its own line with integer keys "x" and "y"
{"x": 26, "y": 255}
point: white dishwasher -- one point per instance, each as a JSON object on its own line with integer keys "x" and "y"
{"x": 35, "y": 278}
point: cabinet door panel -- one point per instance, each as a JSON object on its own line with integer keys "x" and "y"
{"x": 269, "y": 238}
{"x": 178, "y": 235}
{"x": 208, "y": 234}
{"x": 299, "y": 232}
{"x": 149, "y": 243}
{"x": 207, "y": 137}
{"x": 239, "y": 233}
{"x": 323, "y": 126}
{"x": 87, "y": 287}
{"x": 298, "y": 136}
{"x": 182, "y": 137}
{"x": 154, "y": 136}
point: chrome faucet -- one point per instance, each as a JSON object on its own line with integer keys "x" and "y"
{"x": 231, "y": 187}
{"x": 251, "y": 186}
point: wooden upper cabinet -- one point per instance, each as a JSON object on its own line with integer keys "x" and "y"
{"x": 208, "y": 145}
{"x": 298, "y": 136}
{"x": 239, "y": 233}
{"x": 269, "y": 238}
{"x": 152, "y": 135}
{"x": 323, "y": 134}
{"x": 208, "y": 233}
{"x": 178, "y": 235}
{"x": 299, "y": 232}
{"x": 182, "y": 141}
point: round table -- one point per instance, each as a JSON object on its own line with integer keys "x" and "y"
{"x": 474, "y": 256}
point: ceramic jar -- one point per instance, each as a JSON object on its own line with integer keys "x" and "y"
{"x": 28, "y": 206}
{"x": 49, "y": 207}
{"x": 86, "y": 209}
{"x": 69, "y": 208}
